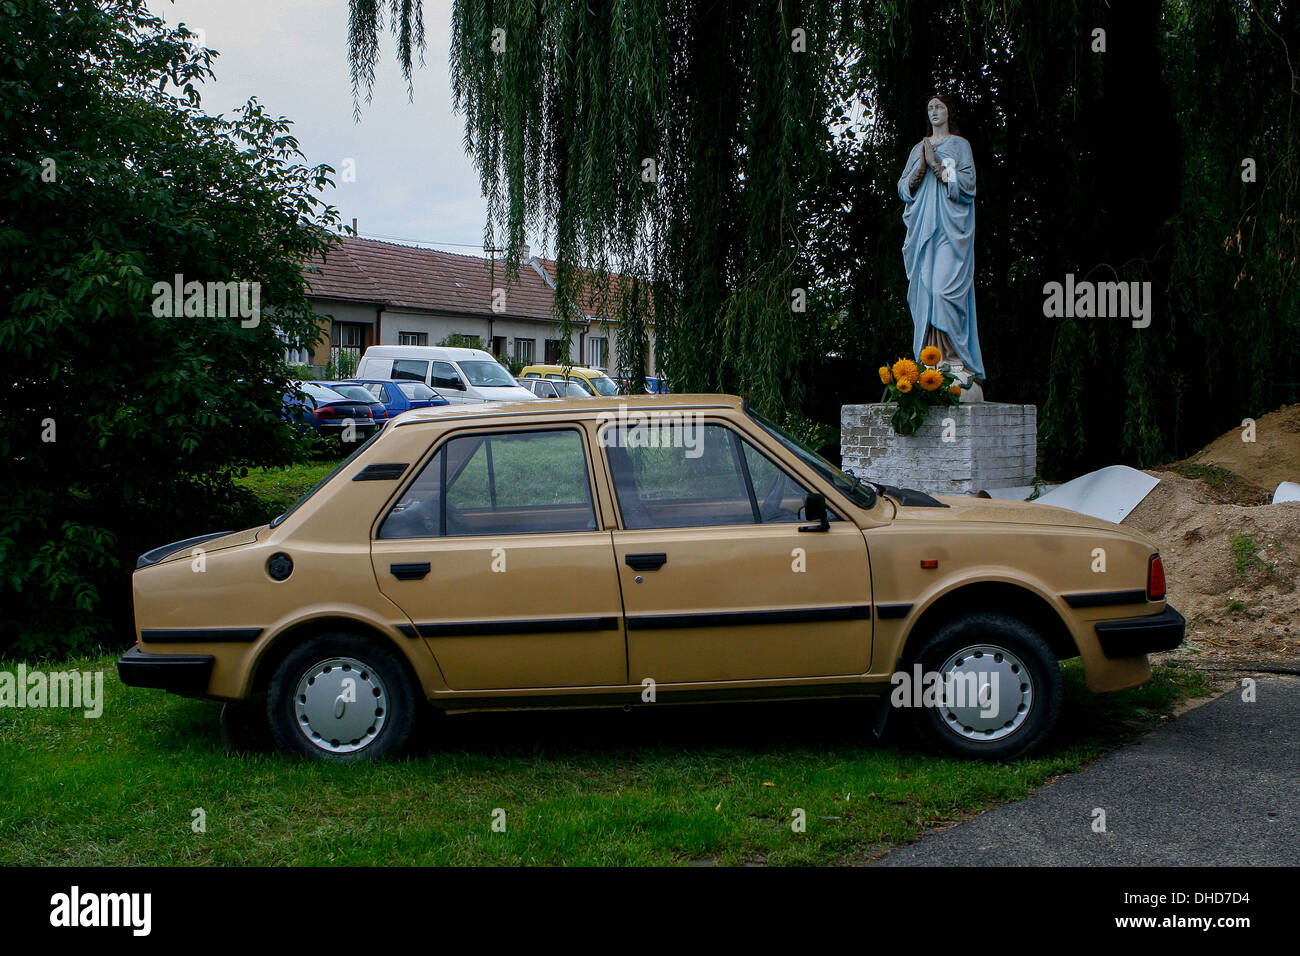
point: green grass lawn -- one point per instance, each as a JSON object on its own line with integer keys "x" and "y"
{"x": 657, "y": 786}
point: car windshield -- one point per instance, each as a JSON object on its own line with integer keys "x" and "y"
{"x": 861, "y": 495}
{"x": 604, "y": 385}
{"x": 486, "y": 375}
{"x": 328, "y": 478}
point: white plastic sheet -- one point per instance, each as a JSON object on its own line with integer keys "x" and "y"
{"x": 1287, "y": 491}
{"x": 1108, "y": 493}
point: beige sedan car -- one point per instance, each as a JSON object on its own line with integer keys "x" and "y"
{"x": 638, "y": 550}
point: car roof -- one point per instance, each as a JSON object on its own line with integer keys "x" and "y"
{"x": 582, "y": 407}
{"x": 580, "y": 369}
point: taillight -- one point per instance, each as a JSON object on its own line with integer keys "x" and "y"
{"x": 1155, "y": 579}
{"x": 324, "y": 412}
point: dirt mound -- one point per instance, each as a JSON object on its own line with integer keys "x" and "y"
{"x": 1232, "y": 571}
{"x": 1273, "y": 456}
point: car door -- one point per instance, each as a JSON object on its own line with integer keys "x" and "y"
{"x": 445, "y": 380}
{"x": 492, "y": 551}
{"x": 719, "y": 581}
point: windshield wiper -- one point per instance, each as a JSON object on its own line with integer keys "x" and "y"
{"x": 879, "y": 488}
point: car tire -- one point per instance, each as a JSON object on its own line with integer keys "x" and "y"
{"x": 995, "y": 725}
{"x": 244, "y": 728}
{"x": 342, "y": 698}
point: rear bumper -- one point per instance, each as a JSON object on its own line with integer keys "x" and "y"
{"x": 179, "y": 673}
{"x": 1142, "y": 635}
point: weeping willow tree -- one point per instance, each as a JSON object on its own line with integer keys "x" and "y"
{"x": 695, "y": 166}
{"x": 664, "y": 150}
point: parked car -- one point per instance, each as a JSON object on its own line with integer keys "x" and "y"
{"x": 398, "y": 397}
{"x": 359, "y": 393}
{"x": 591, "y": 380}
{"x": 329, "y": 413}
{"x": 547, "y": 388}
{"x": 458, "y": 375}
{"x": 650, "y": 385}
{"x": 715, "y": 559}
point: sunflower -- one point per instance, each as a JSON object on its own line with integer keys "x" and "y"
{"x": 956, "y": 390}
{"x": 905, "y": 370}
{"x": 904, "y": 385}
{"x": 931, "y": 379}
{"x": 930, "y": 355}
{"x": 885, "y": 377}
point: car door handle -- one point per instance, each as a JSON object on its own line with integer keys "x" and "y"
{"x": 646, "y": 562}
{"x": 409, "y": 572}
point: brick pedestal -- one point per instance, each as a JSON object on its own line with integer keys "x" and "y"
{"x": 958, "y": 451}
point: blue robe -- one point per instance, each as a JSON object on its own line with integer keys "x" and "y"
{"x": 939, "y": 251}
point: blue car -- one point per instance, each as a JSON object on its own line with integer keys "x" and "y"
{"x": 330, "y": 414}
{"x": 399, "y": 396}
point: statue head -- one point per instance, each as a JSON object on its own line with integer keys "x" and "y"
{"x": 940, "y": 107}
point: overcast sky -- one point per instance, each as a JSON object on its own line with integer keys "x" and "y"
{"x": 414, "y": 180}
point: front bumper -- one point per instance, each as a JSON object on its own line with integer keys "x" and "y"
{"x": 1141, "y": 635}
{"x": 179, "y": 673}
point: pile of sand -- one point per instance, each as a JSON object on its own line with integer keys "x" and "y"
{"x": 1232, "y": 569}
{"x": 1273, "y": 457}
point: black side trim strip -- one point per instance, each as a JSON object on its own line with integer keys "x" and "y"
{"x": 383, "y": 471}
{"x": 408, "y": 631}
{"x": 210, "y": 635}
{"x": 1105, "y": 598}
{"x": 1141, "y": 635}
{"x": 646, "y": 622}
{"x": 480, "y": 628}
{"x": 889, "y": 611}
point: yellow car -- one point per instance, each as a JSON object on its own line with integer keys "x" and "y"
{"x": 593, "y": 381}
{"x": 638, "y": 551}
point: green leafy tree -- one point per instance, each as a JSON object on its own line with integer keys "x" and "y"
{"x": 124, "y": 424}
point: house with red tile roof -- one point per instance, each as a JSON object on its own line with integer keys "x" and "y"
{"x": 370, "y": 292}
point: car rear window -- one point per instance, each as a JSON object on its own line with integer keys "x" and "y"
{"x": 358, "y": 393}
{"x": 417, "y": 390}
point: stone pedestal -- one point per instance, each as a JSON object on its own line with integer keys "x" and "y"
{"x": 959, "y": 450}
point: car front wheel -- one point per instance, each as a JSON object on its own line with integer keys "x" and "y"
{"x": 998, "y": 687}
{"x": 341, "y": 697}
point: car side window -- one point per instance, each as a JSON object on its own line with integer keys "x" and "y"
{"x": 674, "y": 477}
{"x": 444, "y": 376}
{"x": 779, "y": 496}
{"x": 528, "y": 482}
{"x": 410, "y": 370}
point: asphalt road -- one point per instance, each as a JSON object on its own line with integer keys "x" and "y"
{"x": 1217, "y": 786}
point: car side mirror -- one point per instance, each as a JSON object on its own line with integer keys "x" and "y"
{"x": 814, "y": 509}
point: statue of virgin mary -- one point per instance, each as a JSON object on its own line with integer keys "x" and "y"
{"x": 938, "y": 192}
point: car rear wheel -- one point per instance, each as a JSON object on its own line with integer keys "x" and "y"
{"x": 341, "y": 697}
{"x": 998, "y": 687}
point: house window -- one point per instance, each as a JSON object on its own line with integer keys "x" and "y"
{"x": 499, "y": 346}
{"x": 598, "y": 352}
{"x": 524, "y": 350}
{"x": 554, "y": 349}
{"x": 412, "y": 338}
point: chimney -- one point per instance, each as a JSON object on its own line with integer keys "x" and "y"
{"x": 354, "y": 225}
{"x": 525, "y": 253}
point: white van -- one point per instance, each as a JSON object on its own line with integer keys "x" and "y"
{"x": 458, "y": 375}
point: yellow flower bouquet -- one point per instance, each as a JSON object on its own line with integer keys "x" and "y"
{"x": 915, "y": 387}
